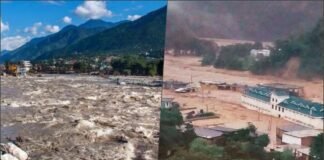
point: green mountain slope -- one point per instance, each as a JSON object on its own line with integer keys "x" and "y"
{"x": 145, "y": 35}
{"x": 69, "y": 35}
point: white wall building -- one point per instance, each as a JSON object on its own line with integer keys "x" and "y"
{"x": 281, "y": 104}
{"x": 302, "y": 138}
{"x": 23, "y": 68}
{"x": 258, "y": 52}
{"x": 167, "y": 103}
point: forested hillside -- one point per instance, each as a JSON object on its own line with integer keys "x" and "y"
{"x": 306, "y": 49}
{"x": 96, "y": 37}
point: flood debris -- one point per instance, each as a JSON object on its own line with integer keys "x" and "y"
{"x": 79, "y": 117}
{"x": 11, "y": 152}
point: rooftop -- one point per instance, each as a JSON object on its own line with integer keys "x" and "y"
{"x": 281, "y": 93}
{"x": 280, "y": 86}
{"x": 292, "y": 127}
{"x": 223, "y": 129}
{"x": 259, "y": 93}
{"x": 212, "y": 82}
{"x": 207, "y": 132}
{"x": 294, "y": 103}
{"x": 304, "y": 133}
{"x": 304, "y": 150}
{"x": 167, "y": 99}
{"x": 303, "y": 106}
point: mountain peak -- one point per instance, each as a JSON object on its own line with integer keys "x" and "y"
{"x": 95, "y": 23}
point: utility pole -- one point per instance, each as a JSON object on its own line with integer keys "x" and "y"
{"x": 270, "y": 124}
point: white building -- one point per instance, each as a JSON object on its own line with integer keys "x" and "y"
{"x": 302, "y": 137}
{"x": 281, "y": 104}
{"x": 23, "y": 68}
{"x": 167, "y": 103}
{"x": 260, "y": 52}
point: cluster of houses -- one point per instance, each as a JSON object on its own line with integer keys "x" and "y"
{"x": 17, "y": 69}
{"x": 297, "y": 138}
{"x": 275, "y": 99}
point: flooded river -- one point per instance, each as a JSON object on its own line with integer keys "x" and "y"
{"x": 80, "y": 117}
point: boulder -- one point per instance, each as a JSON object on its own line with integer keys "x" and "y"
{"x": 8, "y": 157}
{"x": 15, "y": 151}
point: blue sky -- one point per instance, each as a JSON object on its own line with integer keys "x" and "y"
{"x": 24, "y": 20}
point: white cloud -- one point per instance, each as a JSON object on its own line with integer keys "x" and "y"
{"x": 33, "y": 29}
{"x": 67, "y": 20}
{"x": 11, "y": 43}
{"x": 55, "y": 2}
{"x": 93, "y": 10}
{"x": 133, "y": 17}
{"x": 52, "y": 29}
{"x": 4, "y": 27}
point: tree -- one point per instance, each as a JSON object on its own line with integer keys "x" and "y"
{"x": 208, "y": 59}
{"x": 80, "y": 66}
{"x": 285, "y": 155}
{"x": 170, "y": 137}
{"x": 257, "y": 45}
{"x": 151, "y": 69}
{"x": 160, "y": 67}
{"x": 262, "y": 140}
{"x": 317, "y": 148}
{"x": 189, "y": 155}
{"x": 171, "y": 117}
{"x": 201, "y": 146}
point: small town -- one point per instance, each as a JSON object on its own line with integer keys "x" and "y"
{"x": 223, "y": 106}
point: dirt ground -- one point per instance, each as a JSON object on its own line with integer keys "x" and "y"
{"x": 80, "y": 117}
{"x": 225, "y": 102}
{"x": 225, "y": 42}
{"x": 187, "y": 68}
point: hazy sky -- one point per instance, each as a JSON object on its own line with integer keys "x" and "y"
{"x": 249, "y": 20}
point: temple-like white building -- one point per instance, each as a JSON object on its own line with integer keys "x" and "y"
{"x": 283, "y": 105}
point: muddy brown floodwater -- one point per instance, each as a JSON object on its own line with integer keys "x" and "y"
{"x": 80, "y": 117}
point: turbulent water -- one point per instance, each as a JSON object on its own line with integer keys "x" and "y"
{"x": 80, "y": 117}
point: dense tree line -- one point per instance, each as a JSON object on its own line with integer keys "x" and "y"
{"x": 137, "y": 65}
{"x": 317, "y": 147}
{"x": 236, "y": 57}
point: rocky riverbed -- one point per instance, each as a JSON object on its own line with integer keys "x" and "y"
{"x": 80, "y": 117}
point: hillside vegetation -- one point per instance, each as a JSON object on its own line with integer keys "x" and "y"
{"x": 307, "y": 48}
{"x": 145, "y": 35}
{"x": 96, "y": 37}
{"x": 67, "y": 36}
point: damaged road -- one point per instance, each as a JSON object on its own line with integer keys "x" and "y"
{"x": 80, "y": 117}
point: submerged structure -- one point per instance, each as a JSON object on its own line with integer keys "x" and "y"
{"x": 281, "y": 104}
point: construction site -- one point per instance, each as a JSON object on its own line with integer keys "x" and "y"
{"x": 220, "y": 91}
